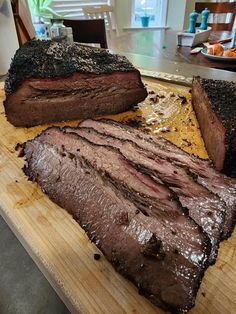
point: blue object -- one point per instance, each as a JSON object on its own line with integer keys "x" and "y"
{"x": 205, "y": 14}
{"x": 192, "y": 22}
{"x": 42, "y": 30}
{"x": 145, "y": 21}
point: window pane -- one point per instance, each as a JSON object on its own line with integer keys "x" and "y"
{"x": 151, "y": 8}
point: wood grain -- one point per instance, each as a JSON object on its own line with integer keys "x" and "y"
{"x": 64, "y": 254}
{"x": 161, "y": 44}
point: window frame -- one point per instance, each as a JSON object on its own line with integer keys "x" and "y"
{"x": 162, "y": 15}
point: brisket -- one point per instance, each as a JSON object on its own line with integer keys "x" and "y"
{"x": 205, "y": 208}
{"x": 214, "y": 104}
{"x": 200, "y": 170}
{"x": 50, "y": 81}
{"x": 137, "y": 223}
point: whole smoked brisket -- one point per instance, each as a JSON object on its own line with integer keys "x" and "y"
{"x": 49, "y": 82}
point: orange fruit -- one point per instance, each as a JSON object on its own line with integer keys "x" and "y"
{"x": 230, "y": 52}
{"x": 216, "y": 50}
{"x": 210, "y": 50}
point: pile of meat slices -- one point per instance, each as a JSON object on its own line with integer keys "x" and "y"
{"x": 157, "y": 213}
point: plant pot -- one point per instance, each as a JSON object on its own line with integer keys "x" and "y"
{"x": 145, "y": 21}
{"x": 58, "y": 29}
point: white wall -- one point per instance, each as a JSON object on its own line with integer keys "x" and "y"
{"x": 190, "y": 5}
{"x": 122, "y": 13}
{"x": 8, "y": 37}
{"x": 176, "y": 14}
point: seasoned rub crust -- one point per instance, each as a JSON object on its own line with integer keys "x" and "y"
{"x": 48, "y": 59}
{"x": 222, "y": 95}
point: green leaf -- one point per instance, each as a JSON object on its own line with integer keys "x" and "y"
{"x": 46, "y": 9}
{"x": 41, "y": 8}
{"x": 46, "y": 3}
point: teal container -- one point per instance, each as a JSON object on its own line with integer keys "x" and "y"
{"x": 145, "y": 21}
{"x": 192, "y": 22}
{"x": 205, "y": 14}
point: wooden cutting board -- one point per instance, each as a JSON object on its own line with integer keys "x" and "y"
{"x": 61, "y": 248}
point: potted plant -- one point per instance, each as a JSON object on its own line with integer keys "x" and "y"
{"x": 145, "y": 17}
{"x": 40, "y": 11}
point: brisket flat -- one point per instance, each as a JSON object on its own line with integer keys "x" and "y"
{"x": 201, "y": 170}
{"x": 214, "y": 103}
{"x": 50, "y": 81}
{"x": 205, "y": 208}
{"x": 134, "y": 220}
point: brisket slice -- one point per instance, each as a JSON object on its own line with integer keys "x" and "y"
{"x": 201, "y": 170}
{"x": 49, "y": 82}
{"x": 214, "y": 104}
{"x": 205, "y": 208}
{"x": 162, "y": 251}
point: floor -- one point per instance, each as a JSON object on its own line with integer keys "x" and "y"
{"x": 23, "y": 288}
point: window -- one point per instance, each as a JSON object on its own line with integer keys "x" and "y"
{"x": 73, "y": 8}
{"x": 155, "y": 9}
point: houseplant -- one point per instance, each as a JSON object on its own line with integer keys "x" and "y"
{"x": 40, "y": 12}
{"x": 145, "y": 17}
{"x": 40, "y": 9}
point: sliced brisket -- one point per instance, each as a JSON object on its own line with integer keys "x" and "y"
{"x": 50, "y": 81}
{"x": 200, "y": 170}
{"x": 135, "y": 221}
{"x": 204, "y": 207}
{"x": 214, "y": 103}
